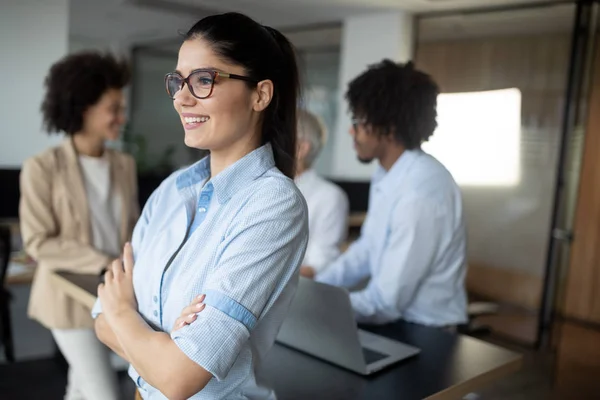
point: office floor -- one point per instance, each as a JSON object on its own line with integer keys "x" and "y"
{"x": 44, "y": 379}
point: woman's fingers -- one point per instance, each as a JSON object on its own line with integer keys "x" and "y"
{"x": 192, "y": 309}
{"x": 128, "y": 259}
{"x": 198, "y": 299}
{"x": 116, "y": 268}
{"x": 189, "y": 313}
{"x": 187, "y": 317}
{"x": 195, "y": 306}
{"x": 108, "y": 275}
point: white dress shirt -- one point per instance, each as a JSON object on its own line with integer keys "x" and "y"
{"x": 327, "y": 219}
{"x": 412, "y": 246}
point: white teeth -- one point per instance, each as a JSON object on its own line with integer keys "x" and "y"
{"x": 191, "y": 120}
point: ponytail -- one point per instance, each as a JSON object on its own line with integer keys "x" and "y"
{"x": 280, "y": 122}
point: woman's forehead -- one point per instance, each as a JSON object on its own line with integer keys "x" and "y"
{"x": 197, "y": 54}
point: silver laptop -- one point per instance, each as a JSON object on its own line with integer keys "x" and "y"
{"x": 321, "y": 323}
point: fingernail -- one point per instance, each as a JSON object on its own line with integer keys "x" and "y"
{"x": 203, "y": 305}
{"x": 199, "y": 306}
{"x": 191, "y": 315}
{"x": 181, "y": 324}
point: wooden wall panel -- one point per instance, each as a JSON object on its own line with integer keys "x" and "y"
{"x": 583, "y": 280}
{"x": 509, "y": 227}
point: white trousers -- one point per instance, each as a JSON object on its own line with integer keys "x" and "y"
{"x": 91, "y": 376}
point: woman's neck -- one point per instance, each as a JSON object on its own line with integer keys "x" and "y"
{"x": 88, "y": 146}
{"x": 221, "y": 159}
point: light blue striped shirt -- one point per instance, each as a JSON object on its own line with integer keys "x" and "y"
{"x": 412, "y": 246}
{"x": 239, "y": 238}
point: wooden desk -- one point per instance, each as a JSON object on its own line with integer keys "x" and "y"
{"x": 356, "y": 219}
{"x": 449, "y": 366}
{"x": 24, "y": 278}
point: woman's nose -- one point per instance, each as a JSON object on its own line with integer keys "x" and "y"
{"x": 184, "y": 97}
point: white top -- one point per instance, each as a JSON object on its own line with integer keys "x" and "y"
{"x": 104, "y": 206}
{"x": 327, "y": 219}
{"x": 412, "y": 246}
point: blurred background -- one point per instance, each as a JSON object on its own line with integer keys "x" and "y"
{"x": 518, "y": 129}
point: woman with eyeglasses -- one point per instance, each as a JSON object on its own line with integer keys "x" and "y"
{"x": 231, "y": 228}
{"x": 78, "y": 207}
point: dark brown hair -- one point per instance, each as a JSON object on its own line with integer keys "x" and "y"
{"x": 77, "y": 82}
{"x": 265, "y": 54}
{"x": 396, "y": 99}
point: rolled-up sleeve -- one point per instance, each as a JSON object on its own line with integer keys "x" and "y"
{"x": 258, "y": 257}
{"x": 213, "y": 341}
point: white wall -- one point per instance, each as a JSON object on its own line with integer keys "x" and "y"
{"x": 79, "y": 43}
{"x": 33, "y": 35}
{"x": 365, "y": 40}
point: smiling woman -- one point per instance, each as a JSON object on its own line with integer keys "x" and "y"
{"x": 78, "y": 207}
{"x": 232, "y": 227}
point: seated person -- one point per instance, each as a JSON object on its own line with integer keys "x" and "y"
{"x": 413, "y": 242}
{"x": 327, "y": 203}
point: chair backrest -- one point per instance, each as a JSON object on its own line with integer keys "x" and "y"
{"x": 4, "y": 252}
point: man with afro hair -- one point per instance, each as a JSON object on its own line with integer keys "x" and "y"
{"x": 413, "y": 242}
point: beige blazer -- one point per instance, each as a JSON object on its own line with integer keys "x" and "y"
{"x": 55, "y": 225}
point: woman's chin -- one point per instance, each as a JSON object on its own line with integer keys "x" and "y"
{"x": 112, "y": 136}
{"x": 193, "y": 141}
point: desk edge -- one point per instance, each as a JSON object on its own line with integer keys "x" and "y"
{"x": 461, "y": 389}
{"x": 75, "y": 292}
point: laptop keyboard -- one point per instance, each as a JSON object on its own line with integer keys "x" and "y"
{"x": 372, "y": 356}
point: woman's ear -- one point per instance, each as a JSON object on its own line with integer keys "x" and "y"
{"x": 303, "y": 148}
{"x": 264, "y": 91}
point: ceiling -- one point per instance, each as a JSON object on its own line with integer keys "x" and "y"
{"x": 292, "y": 13}
{"x": 142, "y": 21}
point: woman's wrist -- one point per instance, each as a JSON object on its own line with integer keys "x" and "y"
{"x": 123, "y": 315}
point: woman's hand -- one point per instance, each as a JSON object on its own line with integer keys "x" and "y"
{"x": 116, "y": 293}
{"x": 189, "y": 314}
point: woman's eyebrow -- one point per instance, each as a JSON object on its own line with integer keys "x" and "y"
{"x": 200, "y": 68}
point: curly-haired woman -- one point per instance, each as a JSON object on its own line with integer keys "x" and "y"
{"x": 78, "y": 207}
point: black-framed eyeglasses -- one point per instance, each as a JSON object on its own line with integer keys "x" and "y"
{"x": 200, "y": 82}
{"x": 357, "y": 121}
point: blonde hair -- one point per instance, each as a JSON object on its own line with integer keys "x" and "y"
{"x": 312, "y": 129}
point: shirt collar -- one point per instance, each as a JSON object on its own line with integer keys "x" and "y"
{"x": 232, "y": 178}
{"x": 385, "y": 181}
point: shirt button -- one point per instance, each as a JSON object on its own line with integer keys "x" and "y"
{"x": 155, "y": 313}
{"x": 202, "y": 209}
{"x": 155, "y": 299}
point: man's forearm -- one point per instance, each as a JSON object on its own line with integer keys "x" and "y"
{"x": 106, "y": 335}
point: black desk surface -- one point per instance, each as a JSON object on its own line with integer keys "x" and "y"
{"x": 448, "y": 367}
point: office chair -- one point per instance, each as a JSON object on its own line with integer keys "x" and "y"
{"x": 6, "y": 339}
